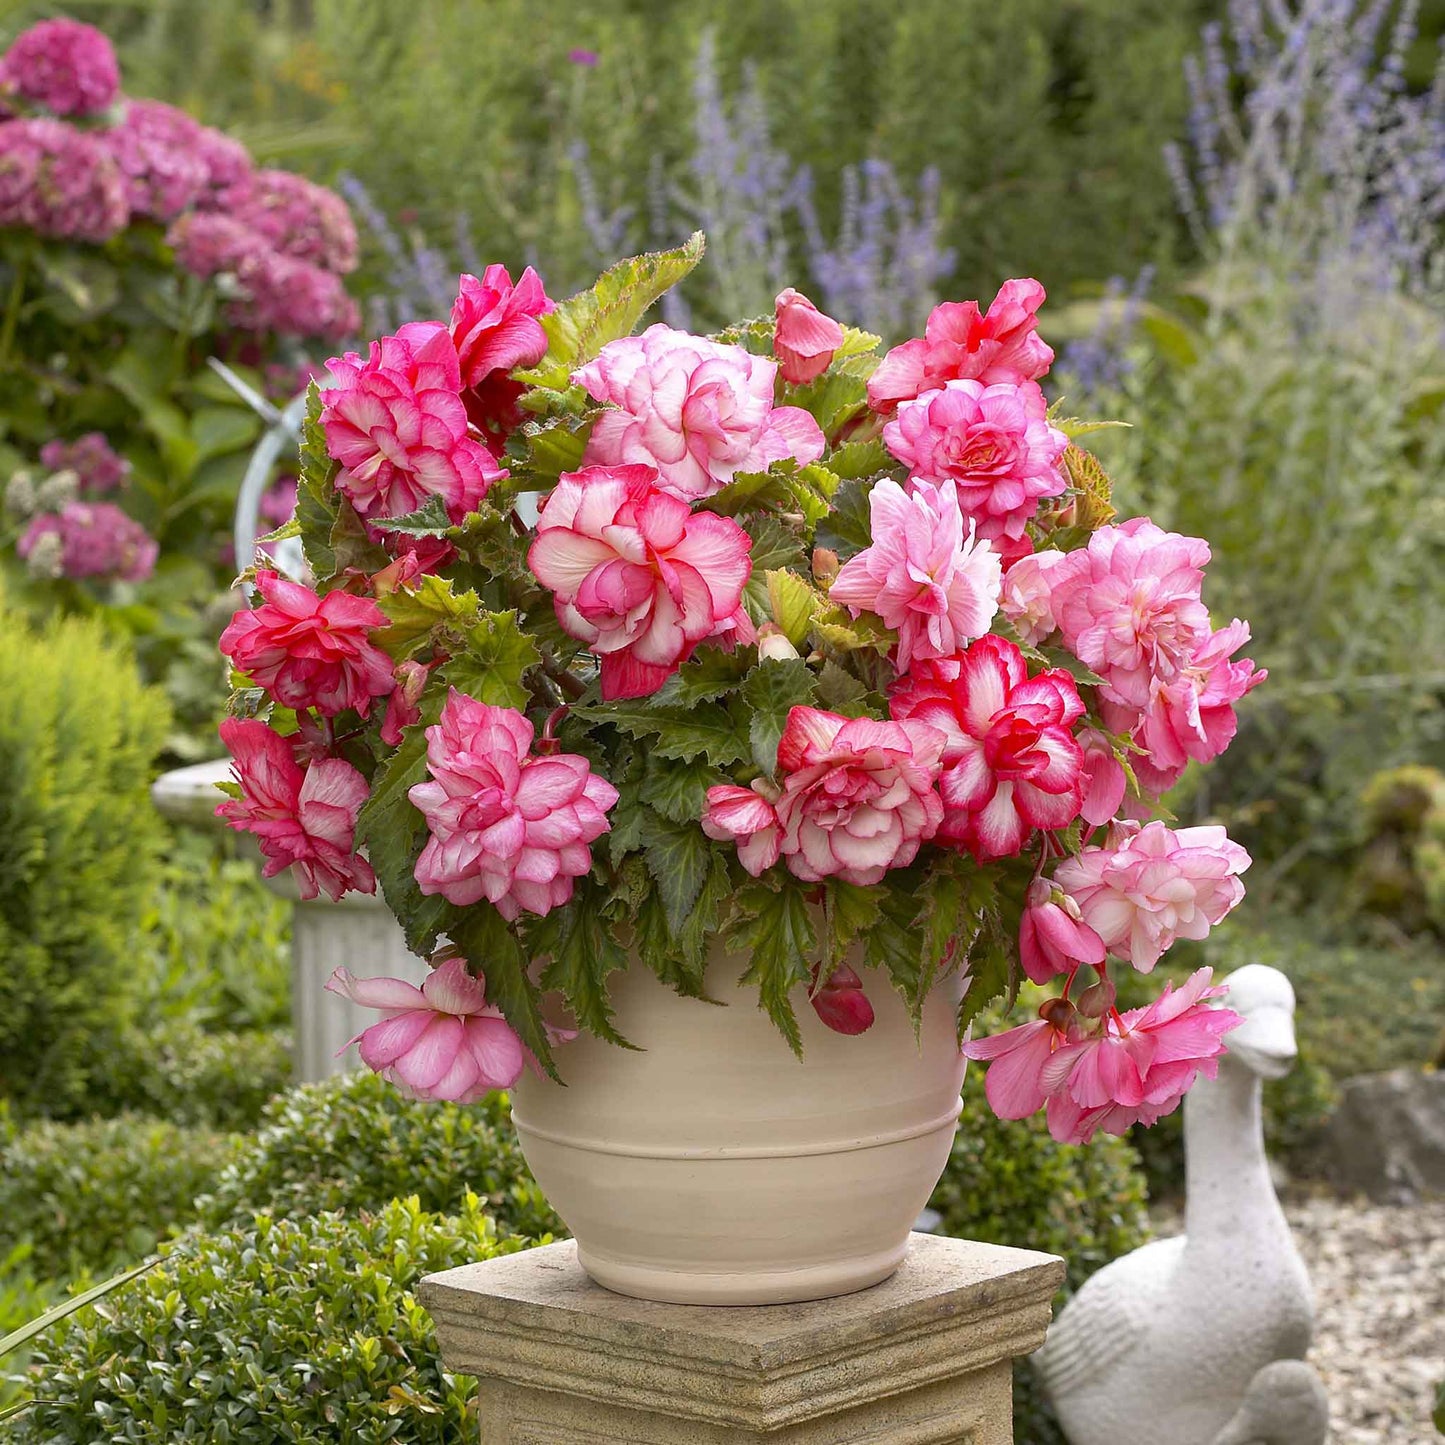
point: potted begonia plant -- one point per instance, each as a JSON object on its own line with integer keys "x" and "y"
{"x": 824, "y": 698}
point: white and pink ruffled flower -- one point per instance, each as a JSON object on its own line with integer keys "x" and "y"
{"x": 961, "y": 343}
{"x": 926, "y": 575}
{"x": 1010, "y": 762}
{"x": 637, "y": 576}
{"x": 857, "y": 798}
{"x": 1027, "y": 599}
{"x": 442, "y": 1041}
{"x": 397, "y": 424}
{"x": 1153, "y": 885}
{"x": 994, "y": 441}
{"x": 505, "y": 826}
{"x": 696, "y": 410}
{"x": 302, "y": 821}
{"x": 804, "y": 339}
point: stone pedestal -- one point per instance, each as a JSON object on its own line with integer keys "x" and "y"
{"x": 358, "y": 933}
{"x": 922, "y": 1359}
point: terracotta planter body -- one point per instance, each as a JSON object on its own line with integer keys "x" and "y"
{"x": 715, "y": 1168}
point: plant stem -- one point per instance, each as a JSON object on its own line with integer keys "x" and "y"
{"x": 12, "y": 309}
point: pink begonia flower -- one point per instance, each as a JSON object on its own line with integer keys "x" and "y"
{"x": 403, "y": 707}
{"x": 804, "y": 339}
{"x": 857, "y": 799}
{"x": 1105, "y": 782}
{"x": 60, "y": 182}
{"x": 1053, "y": 937}
{"x": 90, "y": 457}
{"x": 305, "y": 822}
{"x": 88, "y": 540}
{"x": 397, "y": 424}
{"x": 637, "y": 576}
{"x": 959, "y": 343}
{"x": 67, "y": 67}
{"x": 505, "y": 826}
{"x": 1010, "y": 763}
{"x": 1017, "y": 1059}
{"x": 841, "y": 1003}
{"x": 994, "y": 441}
{"x": 310, "y": 651}
{"x": 1192, "y": 715}
{"x": 494, "y": 324}
{"x": 1128, "y": 606}
{"x": 1153, "y": 885}
{"x": 926, "y": 575}
{"x": 695, "y": 410}
{"x": 1027, "y": 599}
{"x": 442, "y": 1041}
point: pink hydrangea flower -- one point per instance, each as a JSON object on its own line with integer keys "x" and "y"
{"x": 442, "y": 1041}
{"x": 695, "y": 410}
{"x": 93, "y": 540}
{"x": 60, "y": 182}
{"x": 959, "y": 343}
{"x": 994, "y": 441}
{"x": 1010, "y": 762}
{"x": 1027, "y": 599}
{"x": 804, "y": 339}
{"x": 300, "y": 219}
{"x": 1153, "y": 885}
{"x": 397, "y": 424}
{"x": 156, "y": 147}
{"x": 926, "y": 574}
{"x": 635, "y": 575}
{"x": 90, "y": 457}
{"x": 857, "y": 799}
{"x": 494, "y": 324}
{"x": 1053, "y": 937}
{"x": 1128, "y": 606}
{"x": 310, "y": 651}
{"x": 505, "y": 826}
{"x": 305, "y": 822}
{"x": 66, "y": 67}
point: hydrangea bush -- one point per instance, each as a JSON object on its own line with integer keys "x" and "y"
{"x": 843, "y": 658}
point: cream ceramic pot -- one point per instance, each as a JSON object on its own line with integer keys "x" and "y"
{"x": 713, "y": 1167}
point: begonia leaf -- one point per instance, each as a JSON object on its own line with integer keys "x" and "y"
{"x": 773, "y": 926}
{"x": 678, "y": 856}
{"x": 773, "y": 688}
{"x": 581, "y": 952}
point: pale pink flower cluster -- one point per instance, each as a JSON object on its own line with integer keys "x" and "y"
{"x": 442, "y": 1041}
{"x": 156, "y": 147}
{"x": 1134, "y": 1069}
{"x": 300, "y": 219}
{"x": 302, "y": 821}
{"x": 994, "y": 441}
{"x": 88, "y": 540}
{"x": 59, "y": 182}
{"x": 698, "y": 411}
{"x": 1153, "y": 885}
{"x": 926, "y": 575}
{"x": 397, "y": 423}
{"x": 637, "y": 576}
{"x": 90, "y": 457}
{"x": 61, "y": 66}
{"x": 857, "y": 799}
{"x": 505, "y": 825}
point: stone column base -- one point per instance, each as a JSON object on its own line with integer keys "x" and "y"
{"x": 922, "y": 1359}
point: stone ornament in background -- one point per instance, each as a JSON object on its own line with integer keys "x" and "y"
{"x": 1182, "y": 1341}
{"x": 1387, "y": 1137}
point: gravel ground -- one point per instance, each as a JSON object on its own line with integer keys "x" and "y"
{"x": 1379, "y": 1278}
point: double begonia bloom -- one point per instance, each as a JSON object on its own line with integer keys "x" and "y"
{"x": 1154, "y": 885}
{"x": 926, "y": 575}
{"x": 1105, "y": 781}
{"x": 505, "y": 826}
{"x": 442, "y": 1041}
{"x": 310, "y": 651}
{"x": 494, "y": 323}
{"x": 397, "y": 424}
{"x": 804, "y": 339}
{"x": 857, "y": 799}
{"x": 961, "y": 344}
{"x": 302, "y": 821}
{"x": 994, "y": 441}
{"x": 1053, "y": 937}
{"x": 1027, "y": 598}
{"x": 1129, "y": 607}
{"x": 67, "y": 67}
{"x": 696, "y": 410}
{"x": 1010, "y": 761}
{"x": 637, "y": 576}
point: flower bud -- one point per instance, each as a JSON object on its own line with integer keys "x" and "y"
{"x": 1096, "y": 1000}
{"x": 826, "y": 566}
{"x": 804, "y": 340}
{"x": 773, "y": 643}
{"x": 841, "y": 1002}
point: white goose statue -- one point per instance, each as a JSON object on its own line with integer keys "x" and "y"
{"x": 1173, "y": 1344}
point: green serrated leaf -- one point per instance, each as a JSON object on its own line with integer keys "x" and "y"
{"x": 582, "y": 952}
{"x": 945, "y": 918}
{"x": 791, "y": 603}
{"x": 580, "y": 327}
{"x": 415, "y": 612}
{"x": 710, "y": 674}
{"x": 842, "y": 631}
{"x": 754, "y": 491}
{"x": 350, "y": 545}
{"x": 856, "y": 343}
{"x": 850, "y": 911}
{"x": 773, "y": 688}
{"x": 848, "y": 528}
{"x": 860, "y": 461}
{"x": 774, "y": 928}
{"x": 839, "y": 691}
{"x": 431, "y": 519}
{"x": 316, "y": 499}
{"x": 678, "y": 790}
{"x": 554, "y": 447}
{"x": 755, "y": 335}
{"x": 707, "y": 730}
{"x": 1061, "y": 657}
{"x": 838, "y": 395}
{"x": 497, "y": 658}
{"x": 485, "y": 940}
{"x": 678, "y": 856}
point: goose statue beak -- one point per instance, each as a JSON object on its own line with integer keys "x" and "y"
{"x": 1265, "y": 1042}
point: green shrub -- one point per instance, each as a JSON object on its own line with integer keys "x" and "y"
{"x": 354, "y": 1143}
{"x": 78, "y": 844}
{"x": 24, "y": 1296}
{"x": 97, "y": 1196}
{"x": 298, "y": 1330}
